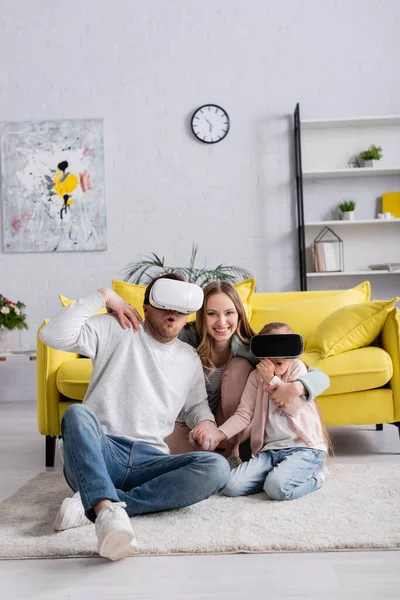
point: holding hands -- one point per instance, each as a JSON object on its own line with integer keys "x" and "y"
{"x": 124, "y": 312}
{"x": 207, "y": 435}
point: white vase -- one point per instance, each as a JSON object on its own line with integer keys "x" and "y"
{"x": 3, "y": 340}
{"x": 348, "y": 215}
{"x": 370, "y": 163}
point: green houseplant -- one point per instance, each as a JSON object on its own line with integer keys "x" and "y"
{"x": 371, "y": 155}
{"x": 347, "y": 209}
{"x": 141, "y": 272}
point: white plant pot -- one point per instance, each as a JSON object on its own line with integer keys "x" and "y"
{"x": 370, "y": 163}
{"x": 348, "y": 215}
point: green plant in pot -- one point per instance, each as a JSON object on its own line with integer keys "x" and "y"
{"x": 347, "y": 210}
{"x": 370, "y": 156}
{"x": 12, "y": 317}
{"x": 141, "y": 272}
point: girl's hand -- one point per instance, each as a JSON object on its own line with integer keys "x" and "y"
{"x": 266, "y": 368}
{"x": 283, "y": 394}
{"x": 197, "y": 435}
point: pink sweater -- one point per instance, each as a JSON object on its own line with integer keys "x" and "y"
{"x": 302, "y": 415}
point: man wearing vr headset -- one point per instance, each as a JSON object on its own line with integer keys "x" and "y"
{"x": 115, "y": 456}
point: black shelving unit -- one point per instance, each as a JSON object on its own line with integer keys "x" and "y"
{"x": 300, "y": 200}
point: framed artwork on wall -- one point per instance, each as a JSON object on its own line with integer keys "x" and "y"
{"x": 53, "y": 197}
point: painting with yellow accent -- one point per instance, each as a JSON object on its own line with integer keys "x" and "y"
{"x": 53, "y": 186}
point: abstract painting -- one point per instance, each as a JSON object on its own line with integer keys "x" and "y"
{"x": 53, "y": 196}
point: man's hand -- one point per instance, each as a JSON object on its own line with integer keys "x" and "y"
{"x": 266, "y": 368}
{"x": 283, "y": 394}
{"x": 125, "y": 313}
{"x": 207, "y": 435}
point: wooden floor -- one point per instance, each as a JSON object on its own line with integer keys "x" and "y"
{"x": 367, "y": 575}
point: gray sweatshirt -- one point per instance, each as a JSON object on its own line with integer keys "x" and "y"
{"x": 138, "y": 385}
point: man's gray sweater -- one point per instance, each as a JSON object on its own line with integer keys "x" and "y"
{"x": 138, "y": 385}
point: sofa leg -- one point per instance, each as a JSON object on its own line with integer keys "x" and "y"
{"x": 50, "y": 450}
{"x": 379, "y": 427}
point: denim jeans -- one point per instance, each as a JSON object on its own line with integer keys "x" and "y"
{"x": 102, "y": 466}
{"x": 284, "y": 474}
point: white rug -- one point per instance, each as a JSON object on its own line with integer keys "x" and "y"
{"x": 359, "y": 507}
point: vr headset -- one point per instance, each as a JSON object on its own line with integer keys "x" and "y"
{"x": 170, "y": 294}
{"x": 285, "y": 345}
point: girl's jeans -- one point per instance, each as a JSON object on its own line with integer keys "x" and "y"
{"x": 102, "y": 466}
{"x": 284, "y": 474}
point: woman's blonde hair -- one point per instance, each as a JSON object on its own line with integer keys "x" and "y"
{"x": 243, "y": 331}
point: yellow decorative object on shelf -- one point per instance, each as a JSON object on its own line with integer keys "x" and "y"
{"x": 391, "y": 203}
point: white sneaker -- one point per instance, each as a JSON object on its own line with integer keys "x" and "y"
{"x": 115, "y": 535}
{"x": 71, "y": 514}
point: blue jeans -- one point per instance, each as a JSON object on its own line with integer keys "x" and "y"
{"x": 284, "y": 474}
{"x": 102, "y": 466}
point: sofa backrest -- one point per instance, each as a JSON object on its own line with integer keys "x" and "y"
{"x": 304, "y": 311}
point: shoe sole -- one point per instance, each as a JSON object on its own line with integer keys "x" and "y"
{"x": 118, "y": 544}
{"x": 62, "y": 522}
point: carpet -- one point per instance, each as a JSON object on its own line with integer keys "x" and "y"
{"x": 358, "y": 507}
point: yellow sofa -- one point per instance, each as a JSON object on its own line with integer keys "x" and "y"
{"x": 352, "y": 339}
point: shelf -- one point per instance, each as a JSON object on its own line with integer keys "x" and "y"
{"x": 355, "y": 222}
{"x": 349, "y": 273}
{"x": 349, "y": 172}
{"x": 350, "y": 122}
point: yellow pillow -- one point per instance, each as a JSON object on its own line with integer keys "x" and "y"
{"x": 66, "y": 302}
{"x": 304, "y": 315}
{"x": 131, "y": 293}
{"x": 245, "y": 289}
{"x": 350, "y": 327}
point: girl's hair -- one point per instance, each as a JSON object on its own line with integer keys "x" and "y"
{"x": 269, "y": 328}
{"x": 244, "y": 331}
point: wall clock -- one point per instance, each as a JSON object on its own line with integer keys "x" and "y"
{"x": 210, "y": 123}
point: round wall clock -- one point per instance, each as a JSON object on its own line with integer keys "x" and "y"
{"x": 210, "y": 123}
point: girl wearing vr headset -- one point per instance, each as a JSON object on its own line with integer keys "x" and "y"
{"x": 288, "y": 439}
{"x": 221, "y": 335}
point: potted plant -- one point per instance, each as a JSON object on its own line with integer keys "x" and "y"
{"x": 143, "y": 271}
{"x": 347, "y": 208}
{"x": 12, "y": 316}
{"x": 371, "y": 155}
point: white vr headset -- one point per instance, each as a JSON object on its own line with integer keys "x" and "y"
{"x": 170, "y": 294}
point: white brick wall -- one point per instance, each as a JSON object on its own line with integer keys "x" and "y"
{"x": 144, "y": 67}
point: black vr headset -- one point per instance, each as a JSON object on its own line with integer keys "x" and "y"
{"x": 284, "y": 345}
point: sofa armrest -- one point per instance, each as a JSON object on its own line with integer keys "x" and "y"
{"x": 390, "y": 340}
{"x": 47, "y": 395}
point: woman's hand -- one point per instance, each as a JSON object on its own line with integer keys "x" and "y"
{"x": 266, "y": 368}
{"x": 283, "y": 394}
{"x": 124, "y": 312}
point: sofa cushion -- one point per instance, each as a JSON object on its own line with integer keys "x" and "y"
{"x": 350, "y": 327}
{"x": 353, "y": 371}
{"x": 245, "y": 289}
{"x": 262, "y": 300}
{"x": 305, "y": 315}
{"x": 66, "y": 302}
{"x": 73, "y": 378}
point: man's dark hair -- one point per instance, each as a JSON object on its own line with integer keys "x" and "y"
{"x": 174, "y": 276}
